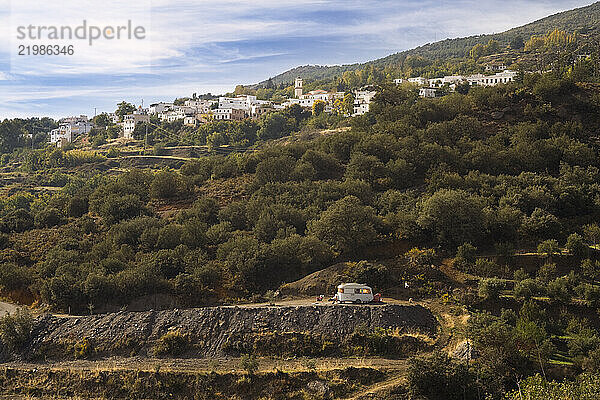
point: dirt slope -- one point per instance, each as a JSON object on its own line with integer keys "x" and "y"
{"x": 128, "y": 333}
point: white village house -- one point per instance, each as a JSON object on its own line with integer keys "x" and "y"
{"x": 505, "y": 76}
{"x": 362, "y": 101}
{"x": 69, "y": 129}
{"x": 130, "y": 121}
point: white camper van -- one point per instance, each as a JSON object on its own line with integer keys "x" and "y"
{"x": 354, "y": 292}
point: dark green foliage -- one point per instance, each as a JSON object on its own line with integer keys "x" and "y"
{"x": 48, "y": 218}
{"x": 490, "y": 288}
{"x": 14, "y": 277}
{"x": 363, "y": 342}
{"x": 548, "y": 248}
{"x": 466, "y": 253}
{"x": 116, "y": 208}
{"x": 452, "y": 217}
{"x": 585, "y": 387}
{"x": 172, "y": 344}
{"x": 527, "y": 288}
{"x": 576, "y": 245}
{"x": 249, "y": 363}
{"x": 347, "y": 225}
{"x": 434, "y": 172}
{"x": 167, "y": 184}
{"x": 15, "y": 330}
{"x": 437, "y": 377}
{"x": 276, "y": 169}
{"x": 77, "y": 206}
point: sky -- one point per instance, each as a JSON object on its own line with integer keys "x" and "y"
{"x": 211, "y": 46}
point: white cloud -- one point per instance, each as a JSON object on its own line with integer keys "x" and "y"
{"x": 189, "y": 41}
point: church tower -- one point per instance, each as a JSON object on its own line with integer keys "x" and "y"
{"x": 298, "y": 88}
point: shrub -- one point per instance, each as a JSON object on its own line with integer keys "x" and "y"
{"x": 454, "y": 217}
{"x": 274, "y": 169}
{"x": 48, "y": 218}
{"x": 589, "y": 293}
{"x": 14, "y": 277}
{"x": 169, "y": 236}
{"x": 490, "y": 289}
{"x": 575, "y": 245}
{"x": 437, "y": 377}
{"x": 590, "y": 270}
{"x": 376, "y": 275}
{"x": 585, "y": 387}
{"x": 548, "y": 248}
{"x": 505, "y": 249}
{"x": 116, "y": 208}
{"x": 172, "y": 343}
{"x": 520, "y": 275}
{"x": 486, "y": 268}
{"x": 167, "y": 184}
{"x": 249, "y": 363}
{"x": 219, "y": 233}
{"x": 546, "y": 272}
{"x": 113, "y": 153}
{"x": 526, "y": 289}
{"x": 15, "y": 330}
{"x": 466, "y": 252}
{"x": 83, "y": 349}
{"x": 77, "y": 206}
{"x": 559, "y": 290}
{"x": 347, "y": 225}
{"x": 17, "y": 221}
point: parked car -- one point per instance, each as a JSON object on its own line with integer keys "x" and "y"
{"x": 353, "y": 292}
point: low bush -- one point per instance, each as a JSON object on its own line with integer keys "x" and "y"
{"x": 172, "y": 343}
{"x": 15, "y": 330}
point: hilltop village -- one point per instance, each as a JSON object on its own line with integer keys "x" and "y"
{"x": 196, "y": 111}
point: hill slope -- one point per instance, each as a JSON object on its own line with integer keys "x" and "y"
{"x": 585, "y": 20}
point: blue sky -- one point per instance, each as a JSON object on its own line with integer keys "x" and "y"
{"x": 210, "y": 46}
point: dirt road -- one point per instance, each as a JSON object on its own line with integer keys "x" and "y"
{"x": 7, "y": 308}
{"x": 228, "y": 364}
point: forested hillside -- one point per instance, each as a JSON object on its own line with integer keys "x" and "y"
{"x": 482, "y": 205}
{"x": 585, "y": 20}
{"x": 472, "y": 182}
{"x": 506, "y": 166}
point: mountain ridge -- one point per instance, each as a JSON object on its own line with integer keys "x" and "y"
{"x": 583, "y": 19}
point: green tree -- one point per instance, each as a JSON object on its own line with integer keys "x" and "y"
{"x": 15, "y": 329}
{"x": 576, "y": 245}
{"x": 249, "y": 363}
{"x": 48, "y": 217}
{"x": 318, "y": 107}
{"x": 348, "y": 104}
{"x": 548, "y": 248}
{"x": 592, "y": 233}
{"x": 517, "y": 43}
{"x": 102, "y": 120}
{"x": 585, "y": 387}
{"x": 167, "y": 184}
{"x": 490, "y": 288}
{"x": 273, "y": 126}
{"x": 116, "y": 208}
{"x": 274, "y": 169}
{"x": 347, "y": 225}
{"x": 124, "y": 108}
{"x": 11, "y": 135}
{"x": 453, "y": 217}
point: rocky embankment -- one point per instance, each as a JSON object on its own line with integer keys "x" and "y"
{"x": 208, "y": 329}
